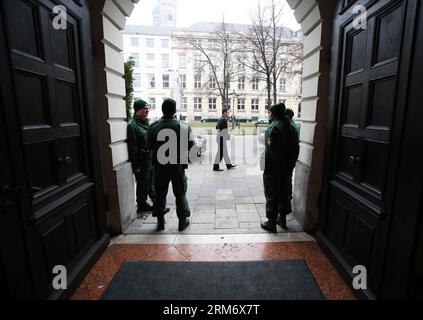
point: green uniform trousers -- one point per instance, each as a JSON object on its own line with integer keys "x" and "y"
{"x": 276, "y": 191}
{"x": 145, "y": 186}
{"x": 176, "y": 175}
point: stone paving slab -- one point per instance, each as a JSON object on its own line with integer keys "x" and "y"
{"x": 228, "y": 202}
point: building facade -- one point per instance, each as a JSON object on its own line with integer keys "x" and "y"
{"x": 168, "y": 65}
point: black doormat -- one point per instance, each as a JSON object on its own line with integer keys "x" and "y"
{"x": 246, "y": 280}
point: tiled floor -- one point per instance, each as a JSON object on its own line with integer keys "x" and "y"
{"x": 328, "y": 279}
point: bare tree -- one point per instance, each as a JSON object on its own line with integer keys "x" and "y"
{"x": 273, "y": 52}
{"x": 218, "y": 61}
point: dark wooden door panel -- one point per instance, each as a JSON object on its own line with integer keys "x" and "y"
{"x": 50, "y": 116}
{"x": 362, "y": 182}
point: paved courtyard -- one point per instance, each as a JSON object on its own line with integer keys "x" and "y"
{"x": 228, "y": 202}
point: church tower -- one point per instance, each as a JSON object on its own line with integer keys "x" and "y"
{"x": 165, "y": 13}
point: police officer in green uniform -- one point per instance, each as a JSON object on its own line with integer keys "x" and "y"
{"x": 170, "y": 160}
{"x": 280, "y": 157}
{"x": 140, "y": 156}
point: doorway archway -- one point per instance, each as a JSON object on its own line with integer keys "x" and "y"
{"x": 108, "y": 21}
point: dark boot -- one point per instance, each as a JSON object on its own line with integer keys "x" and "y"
{"x": 183, "y": 224}
{"x": 231, "y": 166}
{"x": 282, "y": 221}
{"x": 160, "y": 223}
{"x": 269, "y": 225}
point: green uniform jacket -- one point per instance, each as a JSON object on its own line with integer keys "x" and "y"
{"x": 281, "y": 147}
{"x": 139, "y": 154}
{"x": 180, "y": 128}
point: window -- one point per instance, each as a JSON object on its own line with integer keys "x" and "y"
{"x": 182, "y": 61}
{"x": 135, "y": 42}
{"x": 150, "y": 56}
{"x": 184, "y": 103}
{"x": 241, "y": 104}
{"x": 212, "y": 103}
{"x": 255, "y": 104}
{"x": 165, "y": 61}
{"x": 149, "y": 42}
{"x": 136, "y": 57}
{"x": 166, "y": 81}
{"x": 197, "y": 61}
{"x": 282, "y": 101}
{"x": 255, "y": 83}
{"x": 241, "y": 83}
{"x": 228, "y": 103}
{"x": 151, "y": 80}
{"x": 137, "y": 80}
{"x": 255, "y": 65}
{"x": 282, "y": 84}
{"x": 152, "y": 102}
{"x": 170, "y": 18}
{"x": 183, "y": 80}
{"x": 197, "y": 81}
{"x": 165, "y": 43}
{"x": 212, "y": 82}
{"x": 211, "y": 44}
{"x": 197, "y": 104}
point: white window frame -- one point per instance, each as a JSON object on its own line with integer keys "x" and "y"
{"x": 151, "y": 80}
{"x": 255, "y": 83}
{"x": 135, "y": 42}
{"x": 165, "y": 61}
{"x": 255, "y": 103}
{"x": 149, "y": 42}
{"x": 212, "y": 103}
{"x": 198, "y": 103}
{"x": 183, "y": 80}
{"x": 212, "y": 82}
{"x": 152, "y": 102}
{"x": 184, "y": 103}
{"x": 165, "y": 83}
{"x": 197, "y": 81}
{"x": 241, "y": 83}
{"x": 150, "y": 57}
{"x": 182, "y": 61}
{"x": 282, "y": 84}
{"x": 164, "y": 43}
{"x": 241, "y": 104}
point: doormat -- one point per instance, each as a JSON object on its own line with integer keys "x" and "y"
{"x": 245, "y": 280}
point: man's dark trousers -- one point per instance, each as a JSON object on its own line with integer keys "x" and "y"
{"x": 145, "y": 186}
{"x": 175, "y": 174}
{"x": 222, "y": 153}
{"x": 276, "y": 188}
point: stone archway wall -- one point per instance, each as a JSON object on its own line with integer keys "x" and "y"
{"x": 108, "y": 20}
{"x": 316, "y": 19}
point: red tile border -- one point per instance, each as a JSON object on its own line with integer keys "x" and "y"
{"x": 327, "y": 277}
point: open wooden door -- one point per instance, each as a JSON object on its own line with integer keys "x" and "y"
{"x": 370, "y": 84}
{"x": 52, "y": 205}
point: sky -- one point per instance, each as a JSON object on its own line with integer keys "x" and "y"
{"x": 192, "y": 11}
